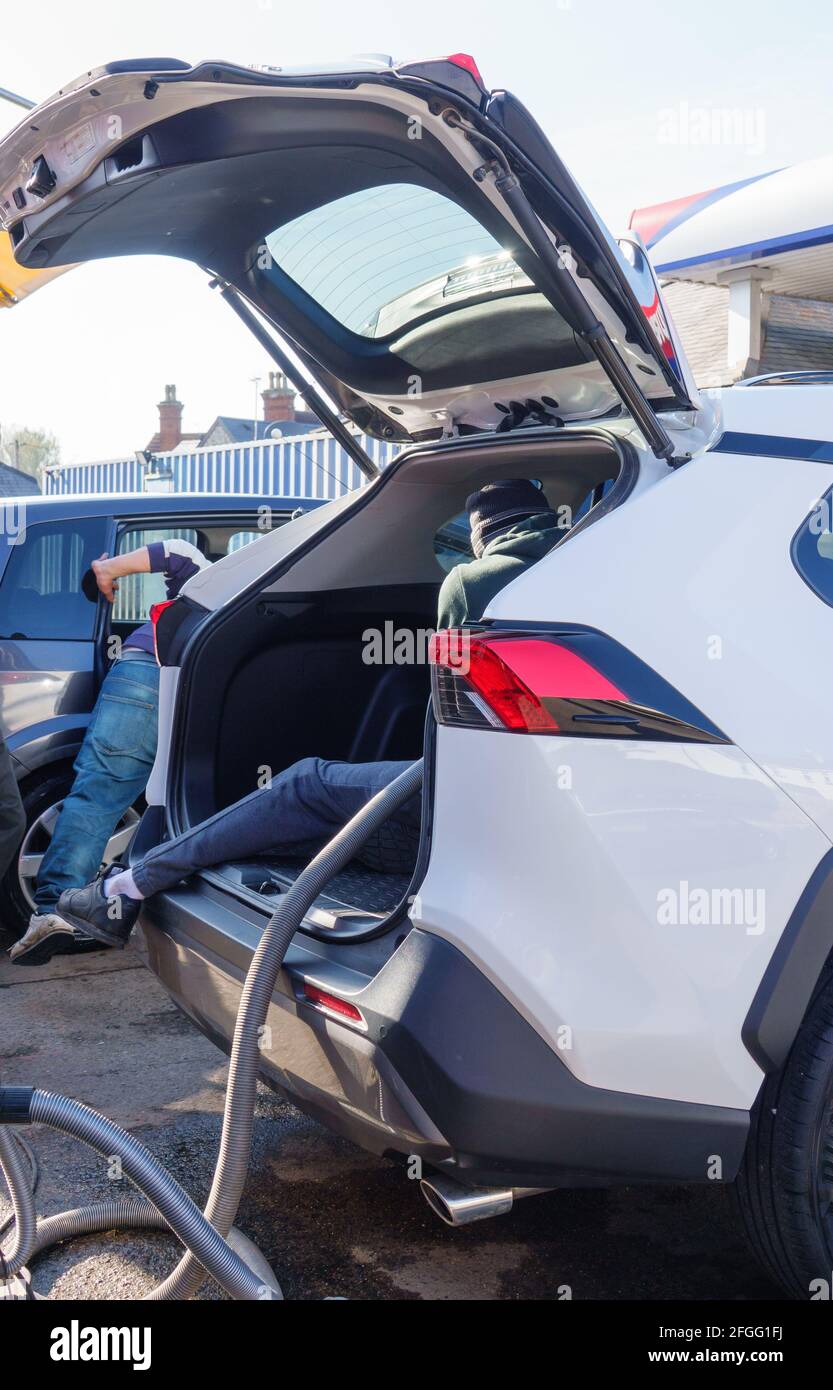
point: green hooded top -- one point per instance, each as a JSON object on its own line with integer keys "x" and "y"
{"x": 468, "y": 589}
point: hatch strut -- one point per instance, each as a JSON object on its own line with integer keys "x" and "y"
{"x": 584, "y": 321}
{"x": 16, "y": 100}
{"x": 312, "y": 398}
{"x": 567, "y": 294}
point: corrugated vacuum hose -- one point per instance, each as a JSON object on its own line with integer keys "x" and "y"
{"x": 212, "y": 1246}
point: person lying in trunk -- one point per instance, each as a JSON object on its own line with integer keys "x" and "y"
{"x": 115, "y": 759}
{"x": 512, "y": 527}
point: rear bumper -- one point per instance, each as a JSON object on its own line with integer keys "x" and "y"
{"x": 446, "y": 1068}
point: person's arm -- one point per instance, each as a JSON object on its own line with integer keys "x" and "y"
{"x": 110, "y": 568}
{"x": 178, "y": 560}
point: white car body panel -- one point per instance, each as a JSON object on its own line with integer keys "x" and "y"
{"x": 548, "y": 855}
{"x": 798, "y": 412}
{"x": 705, "y": 555}
{"x": 155, "y": 791}
{"x": 229, "y": 576}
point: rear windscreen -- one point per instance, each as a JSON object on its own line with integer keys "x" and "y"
{"x": 383, "y": 257}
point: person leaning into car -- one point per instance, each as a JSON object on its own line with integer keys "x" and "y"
{"x": 512, "y": 527}
{"x": 115, "y": 759}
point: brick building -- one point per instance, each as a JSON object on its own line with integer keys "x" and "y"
{"x": 280, "y": 420}
{"x": 796, "y": 334}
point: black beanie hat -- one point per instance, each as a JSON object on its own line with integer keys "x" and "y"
{"x": 499, "y": 505}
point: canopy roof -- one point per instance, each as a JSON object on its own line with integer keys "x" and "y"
{"x": 780, "y": 223}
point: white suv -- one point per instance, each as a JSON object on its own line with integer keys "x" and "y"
{"x": 613, "y": 961}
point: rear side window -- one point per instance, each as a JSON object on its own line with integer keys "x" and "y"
{"x": 812, "y": 549}
{"x": 239, "y": 539}
{"x": 40, "y": 596}
{"x": 452, "y": 543}
{"x": 137, "y": 592}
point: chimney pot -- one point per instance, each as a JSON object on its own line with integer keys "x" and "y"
{"x": 170, "y": 420}
{"x": 278, "y": 399}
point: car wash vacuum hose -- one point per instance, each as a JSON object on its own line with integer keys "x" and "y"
{"x": 209, "y": 1246}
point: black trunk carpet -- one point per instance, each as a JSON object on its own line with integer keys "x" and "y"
{"x": 355, "y": 886}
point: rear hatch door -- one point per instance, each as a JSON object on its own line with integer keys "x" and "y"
{"x": 365, "y": 213}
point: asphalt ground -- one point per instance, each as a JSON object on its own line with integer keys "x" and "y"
{"x": 332, "y": 1220}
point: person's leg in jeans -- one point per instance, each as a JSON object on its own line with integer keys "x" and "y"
{"x": 12, "y": 817}
{"x": 111, "y": 770}
{"x": 304, "y": 806}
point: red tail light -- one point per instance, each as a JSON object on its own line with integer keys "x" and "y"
{"x": 333, "y": 1004}
{"x": 442, "y": 71}
{"x": 156, "y": 611}
{"x": 519, "y": 679}
{"x": 576, "y": 682}
{"x": 465, "y": 60}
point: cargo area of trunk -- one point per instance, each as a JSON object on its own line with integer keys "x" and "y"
{"x": 283, "y": 674}
{"x": 293, "y": 683}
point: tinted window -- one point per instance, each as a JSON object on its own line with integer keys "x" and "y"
{"x": 137, "y": 592}
{"x": 813, "y": 549}
{"x": 41, "y": 591}
{"x": 593, "y": 497}
{"x": 238, "y": 539}
{"x": 382, "y": 257}
{"x": 452, "y": 543}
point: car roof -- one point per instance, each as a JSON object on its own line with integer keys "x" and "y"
{"x": 155, "y": 504}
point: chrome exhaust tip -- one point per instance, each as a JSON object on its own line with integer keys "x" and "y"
{"x": 458, "y": 1205}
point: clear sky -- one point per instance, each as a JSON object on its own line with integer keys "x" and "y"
{"x": 619, "y": 88}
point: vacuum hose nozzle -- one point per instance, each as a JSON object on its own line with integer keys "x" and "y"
{"x": 15, "y": 1104}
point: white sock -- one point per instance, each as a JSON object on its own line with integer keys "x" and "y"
{"x": 122, "y": 883}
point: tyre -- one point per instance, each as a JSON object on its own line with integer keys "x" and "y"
{"x": 785, "y": 1187}
{"x": 42, "y": 796}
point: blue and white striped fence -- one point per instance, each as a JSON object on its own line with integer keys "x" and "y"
{"x": 312, "y": 465}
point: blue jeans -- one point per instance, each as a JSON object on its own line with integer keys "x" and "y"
{"x": 111, "y": 770}
{"x": 303, "y": 807}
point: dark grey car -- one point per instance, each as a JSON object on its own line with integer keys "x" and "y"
{"x": 56, "y": 645}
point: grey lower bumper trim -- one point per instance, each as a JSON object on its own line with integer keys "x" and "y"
{"x": 446, "y": 1067}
